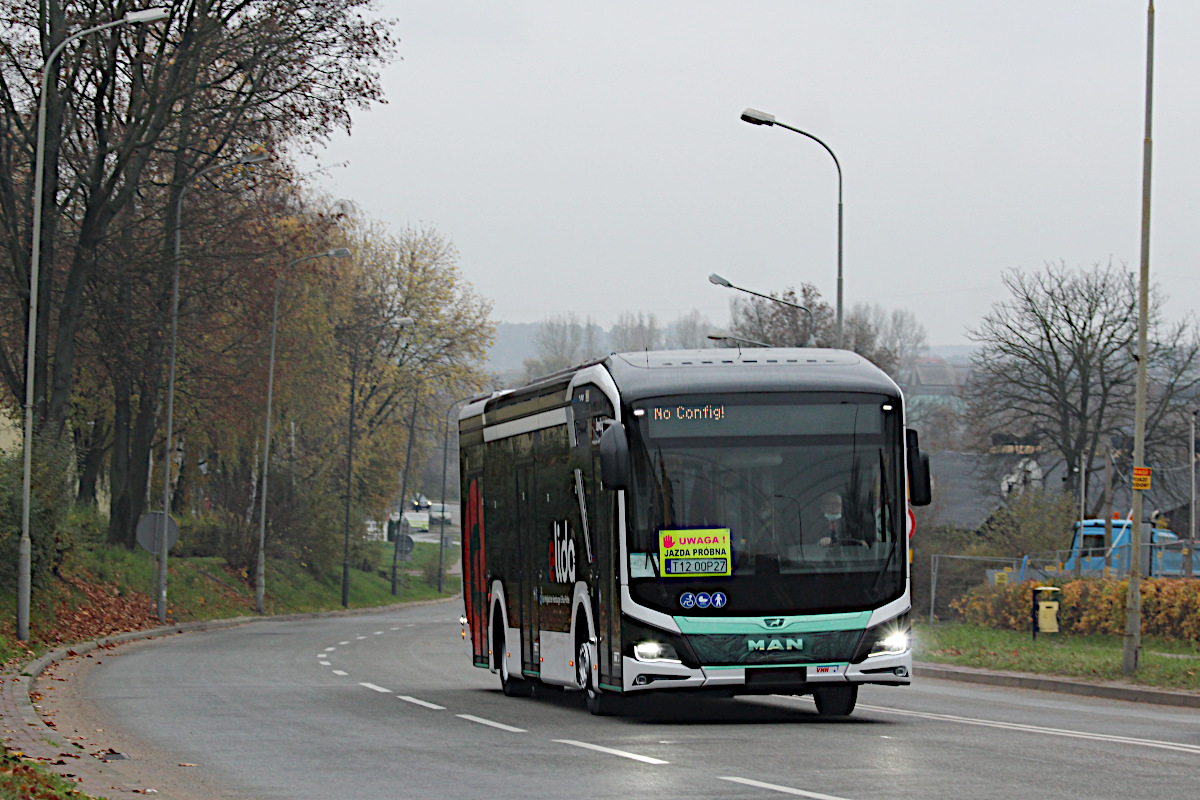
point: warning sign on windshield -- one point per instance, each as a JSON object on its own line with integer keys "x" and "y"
{"x": 695, "y": 553}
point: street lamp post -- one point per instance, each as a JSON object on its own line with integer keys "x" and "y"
{"x": 24, "y": 559}
{"x": 717, "y": 280}
{"x": 161, "y": 537}
{"x": 755, "y": 117}
{"x": 445, "y": 508}
{"x": 412, "y": 424}
{"x": 402, "y": 322}
{"x": 260, "y": 567}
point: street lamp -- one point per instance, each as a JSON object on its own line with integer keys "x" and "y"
{"x": 717, "y": 280}
{"x": 260, "y": 568}
{"x": 247, "y": 159}
{"x": 25, "y": 547}
{"x": 402, "y": 322}
{"x": 755, "y": 117}
{"x": 722, "y": 336}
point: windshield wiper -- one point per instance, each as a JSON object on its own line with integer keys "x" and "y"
{"x": 885, "y": 506}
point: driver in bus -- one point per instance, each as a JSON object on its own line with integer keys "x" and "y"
{"x": 831, "y": 507}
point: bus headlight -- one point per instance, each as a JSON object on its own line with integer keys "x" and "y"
{"x": 655, "y": 651}
{"x": 891, "y": 645}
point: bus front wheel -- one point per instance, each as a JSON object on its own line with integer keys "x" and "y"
{"x": 837, "y": 700}
{"x": 598, "y": 703}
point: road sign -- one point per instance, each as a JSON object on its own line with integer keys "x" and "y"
{"x": 147, "y": 531}
{"x": 1141, "y": 478}
{"x": 406, "y": 546}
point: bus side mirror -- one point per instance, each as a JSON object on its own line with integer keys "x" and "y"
{"x": 920, "y": 492}
{"x": 614, "y": 457}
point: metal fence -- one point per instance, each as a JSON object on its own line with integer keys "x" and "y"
{"x": 951, "y": 577}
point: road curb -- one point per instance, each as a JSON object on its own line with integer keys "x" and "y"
{"x": 25, "y": 730}
{"x": 1045, "y": 683}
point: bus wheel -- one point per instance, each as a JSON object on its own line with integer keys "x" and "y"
{"x": 598, "y": 703}
{"x": 512, "y": 687}
{"x": 837, "y": 700}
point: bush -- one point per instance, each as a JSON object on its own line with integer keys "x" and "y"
{"x": 1170, "y": 607}
{"x": 49, "y": 498}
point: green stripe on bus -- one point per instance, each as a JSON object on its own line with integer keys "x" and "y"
{"x": 801, "y": 623}
{"x": 608, "y": 686}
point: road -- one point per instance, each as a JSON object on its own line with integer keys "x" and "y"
{"x": 388, "y": 706}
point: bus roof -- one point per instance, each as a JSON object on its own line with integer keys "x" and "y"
{"x": 759, "y": 369}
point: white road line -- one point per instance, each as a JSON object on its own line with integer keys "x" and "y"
{"x": 377, "y": 633}
{"x": 611, "y": 751}
{"x": 343, "y": 643}
{"x": 360, "y": 638}
{"x": 339, "y": 672}
{"x": 324, "y": 663}
{"x": 393, "y": 629}
{"x": 376, "y": 688}
{"x": 1016, "y": 726}
{"x": 785, "y": 789}
{"x": 330, "y": 649}
{"x": 415, "y": 701}
{"x": 483, "y": 721}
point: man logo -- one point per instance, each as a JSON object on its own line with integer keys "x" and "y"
{"x": 774, "y": 644}
{"x": 773, "y": 622}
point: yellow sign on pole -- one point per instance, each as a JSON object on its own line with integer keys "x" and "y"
{"x": 1141, "y": 478}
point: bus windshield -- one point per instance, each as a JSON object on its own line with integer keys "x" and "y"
{"x": 775, "y": 503}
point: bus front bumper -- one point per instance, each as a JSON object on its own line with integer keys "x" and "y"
{"x": 639, "y": 676}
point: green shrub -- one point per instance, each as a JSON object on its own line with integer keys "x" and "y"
{"x": 1170, "y": 607}
{"x": 49, "y": 498}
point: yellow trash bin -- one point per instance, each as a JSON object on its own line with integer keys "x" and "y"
{"x": 1045, "y": 610}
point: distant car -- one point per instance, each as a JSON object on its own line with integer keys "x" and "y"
{"x": 438, "y": 512}
{"x": 421, "y": 503}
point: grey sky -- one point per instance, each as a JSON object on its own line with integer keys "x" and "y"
{"x": 590, "y": 158}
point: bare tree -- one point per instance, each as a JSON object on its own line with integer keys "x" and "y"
{"x": 1057, "y": 359}
{"x": 689, "y": 332}
{"x": 636, "y": 332}
{"x": 562, "y": 342}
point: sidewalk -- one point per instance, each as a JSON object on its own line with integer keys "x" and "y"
{"x": 1110, "y": 690}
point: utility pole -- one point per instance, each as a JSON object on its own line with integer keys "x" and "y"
{"x": 1188, "y": 566}
{"x": 412, "y": 422}
{"x": 1108, "y": 512}
{"x": 1131, "y": 655}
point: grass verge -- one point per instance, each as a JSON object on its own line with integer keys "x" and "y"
{"x": 1166, "y": 663}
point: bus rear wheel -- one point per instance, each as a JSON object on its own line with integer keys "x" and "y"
{"x": 837, "y": 700}
{"x": 511, "y": 686}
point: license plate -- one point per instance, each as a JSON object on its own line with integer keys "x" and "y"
{"x": 697, "y": 566}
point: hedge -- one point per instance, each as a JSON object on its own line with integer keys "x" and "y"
{"x": 1170, "y": 607}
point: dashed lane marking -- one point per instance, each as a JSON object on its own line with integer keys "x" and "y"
{"x": 612, "y": 752}
{"x": 376, "y": 688}
{"x": 324, "y": 663}
{"x": 1016, "y": 726}
{"x": 415, "y": 701}
{"x": 330, "y": 649}
{"x": 339, "y": 672}
{"x": 785, "y": 789}
{"x": 482, "y": 721}
{"x": 377, "y": 633}
{"x": 343, "y": 643}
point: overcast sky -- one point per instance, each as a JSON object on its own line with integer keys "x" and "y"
{"x": 589, "y": 157}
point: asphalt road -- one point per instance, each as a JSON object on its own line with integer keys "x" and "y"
{"x": 388, "y": 706}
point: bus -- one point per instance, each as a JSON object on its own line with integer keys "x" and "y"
{"x": 726, "y": 521}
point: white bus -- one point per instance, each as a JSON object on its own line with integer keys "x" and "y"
{"x": 710, "y": 520}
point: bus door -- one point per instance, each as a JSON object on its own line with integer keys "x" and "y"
{"x": 606, "y": 599}
{"x": 528, "y": 576}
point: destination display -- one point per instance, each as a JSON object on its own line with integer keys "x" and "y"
{"x": 674, "y": 419}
